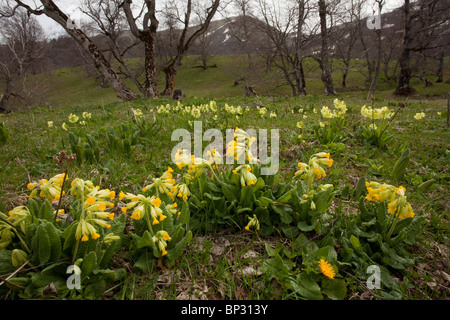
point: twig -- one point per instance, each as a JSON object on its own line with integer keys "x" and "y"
{"x": 7, "y": 222}
{"x": 20, "y": 163}
{"x": 61, "y": 194}
{"x": 13, "y": 274}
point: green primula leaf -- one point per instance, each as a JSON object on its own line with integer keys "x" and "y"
{"x": 285, "y": 198}
{"x": 304, "y": 285}
{"x": 259, "y": 184}
{"x": 355, "y": 243}
{"x": 69, "y": 235}
{"x": 46, "y": 211}
{"x": 89, "y": 264}
{"x": 145, "y": 241}
{"x": 335, "y": 289}
{"x": 175, "y": 252}
{"x": 305, "y": 227}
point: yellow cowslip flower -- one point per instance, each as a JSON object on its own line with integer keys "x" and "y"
{"x": 214, "y": 157}
{"x": 86, "y": 115}
{"x": 300, "y": 124}
{"x": 247, "y": 178}
{"x": 49, "y": 189}
{"x": 142, "y": 205}
{"x": 172, "y": 208}
{"x": 326, "y": 269}
{"x": 64, "y": 126}
{"x": 50, "y": 124}
{"x": 314, "y": 169}
{"x": 183, "y": 191}
{"x": 419, "y": 115}
{"x": 162, "y": 184}
{"x": 253, "y": 223}
{"x": 94, "y": 203}
{"x": 326, "y": 112}
{"x": 73, "y": 118}
{"x": 377, "y": 113}
{"x": 397, "y": 205}
{"x": 241, "y": 145}
{"x": 160, "y": 239}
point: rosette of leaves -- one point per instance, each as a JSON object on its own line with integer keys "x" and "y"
{"x": 49, "y": 245}
{"x": 297, "y": 270}
{"x": 86, "y": 149}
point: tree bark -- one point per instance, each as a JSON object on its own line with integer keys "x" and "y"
{"x": 440, "y": 74}
{"x": 148, "y": 36}
{"x": 326, "y": 72}
{"x": 403, "y": 87}
{"x": 101, "y": 63}
{"x": 300, "y": 75}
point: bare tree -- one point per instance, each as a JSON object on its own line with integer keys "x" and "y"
{"x": 373, "y": 84}
{"x": 51, "y": 10}
{"x": 425, "y": 23}
{"x": 108, "y": 20}
{"x": 347, "y": 36}
{"x": 23, "y": 47}
{"x": 147, "y": 34}
{"x": 185, "y": 40}
{"x": 324, "y": 55}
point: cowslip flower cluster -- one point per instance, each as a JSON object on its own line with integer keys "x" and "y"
{"x": 253, "y": 223}
{"x": 247, "y": 178}
{"x": 241, "y": 145}
{"x": 48, "y": 189}
{"x": 314, "y": 167}
{"x": 160, "y": 239}
{"x": 339, "y": 111}
{"x": 143, "y": 207}
{"x": 397, "y": 205}
{"x": 262, "y": 111}
{"x": 376, "y": 113}
{"x": 164, "y": 184}
{"x": 419, "y": 116}
{"x": 94, "y": 202}
{"x": 15, "y": 219}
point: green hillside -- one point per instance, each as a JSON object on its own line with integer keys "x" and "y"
{"x": 72, "y": 86}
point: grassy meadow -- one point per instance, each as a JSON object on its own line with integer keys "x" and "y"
{"x": 224, "y": 260}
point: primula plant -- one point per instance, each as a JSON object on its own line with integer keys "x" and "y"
{"x": 331, "y": 128}
{"x": 48, "y": 240}
{"x": 376, "y": 129}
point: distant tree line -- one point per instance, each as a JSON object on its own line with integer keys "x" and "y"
{"x": 271, "y": 35}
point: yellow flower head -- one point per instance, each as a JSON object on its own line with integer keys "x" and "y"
{"x": 326, "y": 269}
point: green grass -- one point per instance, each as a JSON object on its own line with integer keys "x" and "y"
{"x": 73, "y": 87}
{"x": 215, "y": 266}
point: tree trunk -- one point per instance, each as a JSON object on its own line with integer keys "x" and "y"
{"x": 151, "y": 77}
{"x": 100, "y": 62}
{"x": 170, "y": 81}
{"x": 148, "y": 36}
{"x": 300, "y": 75}
{"x": 441, "y": 67}
{"x": 423, "y": 77}
{"x": 373, "y": 86}
{"x": 300, "y": 79}
{"x": 403, "y": 88}
{"x": 326, "y": 72}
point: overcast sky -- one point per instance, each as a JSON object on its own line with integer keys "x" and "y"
{"x": 70, "y": 7}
